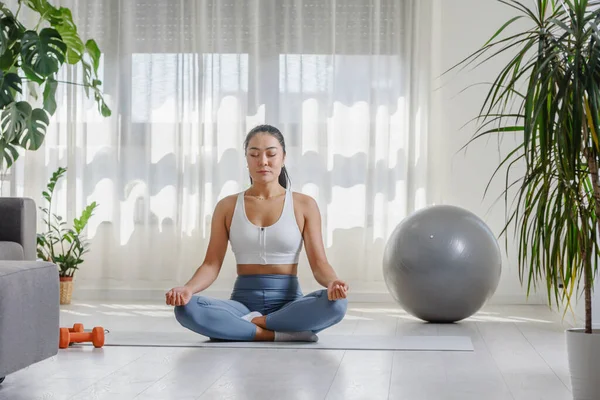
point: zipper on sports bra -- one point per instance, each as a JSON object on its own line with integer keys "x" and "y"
{"x": 263, "y": 244}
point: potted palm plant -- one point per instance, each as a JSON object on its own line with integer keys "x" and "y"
{"x": 60, "y": 244}
{"x": 548, "y": 93}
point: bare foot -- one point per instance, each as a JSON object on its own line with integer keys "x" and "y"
{"x": 264, "y": 335}
{"x": 260, "y": 321}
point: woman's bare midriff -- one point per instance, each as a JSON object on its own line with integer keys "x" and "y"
{"x": 258, "y": 269}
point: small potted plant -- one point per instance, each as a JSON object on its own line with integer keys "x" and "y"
{"x": 60, "y": 244}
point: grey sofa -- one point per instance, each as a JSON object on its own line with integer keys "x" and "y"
{"x": 29, "y": 291}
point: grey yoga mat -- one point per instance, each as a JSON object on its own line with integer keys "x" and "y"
{"x": 326, "y": 342}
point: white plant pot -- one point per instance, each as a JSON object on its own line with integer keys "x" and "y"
{"x": 583, "y": 351}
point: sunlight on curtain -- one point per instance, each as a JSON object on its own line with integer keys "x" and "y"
{"x": 310, "y": 125}
{"x": 187, "y": 81}
{"x": 135, "y": 191}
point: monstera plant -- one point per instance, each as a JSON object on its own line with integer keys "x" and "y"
{"x": 32, "y": 57}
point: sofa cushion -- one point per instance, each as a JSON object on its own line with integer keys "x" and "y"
{"x": 18, "y": 224}
{"x": 11, "y": 251}
{"x": 29, "y": 313}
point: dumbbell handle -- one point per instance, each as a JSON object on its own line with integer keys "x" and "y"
{"x": 78, "y": 337}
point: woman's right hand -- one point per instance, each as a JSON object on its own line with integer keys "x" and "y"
{"x": 178, "y": 296}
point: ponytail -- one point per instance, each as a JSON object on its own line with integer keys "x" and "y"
{"x": 284, "y": 178}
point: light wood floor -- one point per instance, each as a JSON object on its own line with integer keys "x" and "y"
{"x": 519, "y": 354}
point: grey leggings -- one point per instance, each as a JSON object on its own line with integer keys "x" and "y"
{"x": 277, "y": 296}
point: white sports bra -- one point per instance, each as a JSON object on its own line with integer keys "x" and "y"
{"x": 279, "y": 243}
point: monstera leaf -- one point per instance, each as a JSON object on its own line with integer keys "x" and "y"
{"x": 20, "y": 124}
{"x": 92, "y": 48}
{"x": 41, "y": 6}
{"x": 64, "y": 25}
{"x": 14, "y": 120}
{"x": 5, "y": 22}
{"x": 90, "y": 73}
{"x": 42, "y": 54}
{"x": 50, "y": 95}
{"x": 8, "y": 152}
{"x": 8, "y": 83}
{"x": 9, "y": 29}
{"x": 35, "y": 130}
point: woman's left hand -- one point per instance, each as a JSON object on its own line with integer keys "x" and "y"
{"x": 337, "y": 290}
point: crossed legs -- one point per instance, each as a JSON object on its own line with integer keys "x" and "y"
{"x": 218, "y": 319}
{"x": 222, "y": 319}
{"x": 313, "y": 312}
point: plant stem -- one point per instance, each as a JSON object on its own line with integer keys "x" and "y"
{"x": 18, "y": 10}
{"x": 47, "y": 255}
{"x": 24, "y": 79}
{"x": 62, "y": 247}
{"x": 38, "y": 24}
{"x": 51, "y": 245}
{"x": 588, "y": 295}
{"x": 587, "y": 265}
{"x": 42, "y": 18}
{"x": 587, "y": 276}
{"x": 76, "y": 84}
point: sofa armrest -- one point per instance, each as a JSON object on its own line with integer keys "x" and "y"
{"x": 18, "y": 224}
{"x": 29, "y": 314}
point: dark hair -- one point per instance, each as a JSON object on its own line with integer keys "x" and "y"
{"x": 284, "y": 178}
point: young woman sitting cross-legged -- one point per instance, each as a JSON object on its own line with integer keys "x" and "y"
{"x": 266, "y": 226}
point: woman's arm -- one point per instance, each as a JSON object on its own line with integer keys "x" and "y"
{"x": 204, "y": 276}
{"x": 315, "y": 251}
{"x": 208, "y": 272}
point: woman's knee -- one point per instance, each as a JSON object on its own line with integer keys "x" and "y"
{"x": 183, "y": 313}
{"x": 339, "y": 308}
{"x": 190, "y": 310}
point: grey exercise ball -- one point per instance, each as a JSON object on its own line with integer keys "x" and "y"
{"x": 442, "y": 263}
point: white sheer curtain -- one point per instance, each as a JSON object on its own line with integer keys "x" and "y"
{"x": 346, "y": 81}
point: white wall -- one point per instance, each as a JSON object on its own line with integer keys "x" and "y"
{"x": 460, "y": 178}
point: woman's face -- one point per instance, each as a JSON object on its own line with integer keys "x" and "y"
{"x": 265, "y": 158}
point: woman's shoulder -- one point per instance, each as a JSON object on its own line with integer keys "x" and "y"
{"x": 227, "y": 203}
{"x": 303, "y": 199}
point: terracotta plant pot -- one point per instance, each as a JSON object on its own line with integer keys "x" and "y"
{"x": 66, "y": 289}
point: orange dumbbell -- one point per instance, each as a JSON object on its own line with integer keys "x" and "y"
{"x": 96, "y": 336}
{"x": 76, "y": 328}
